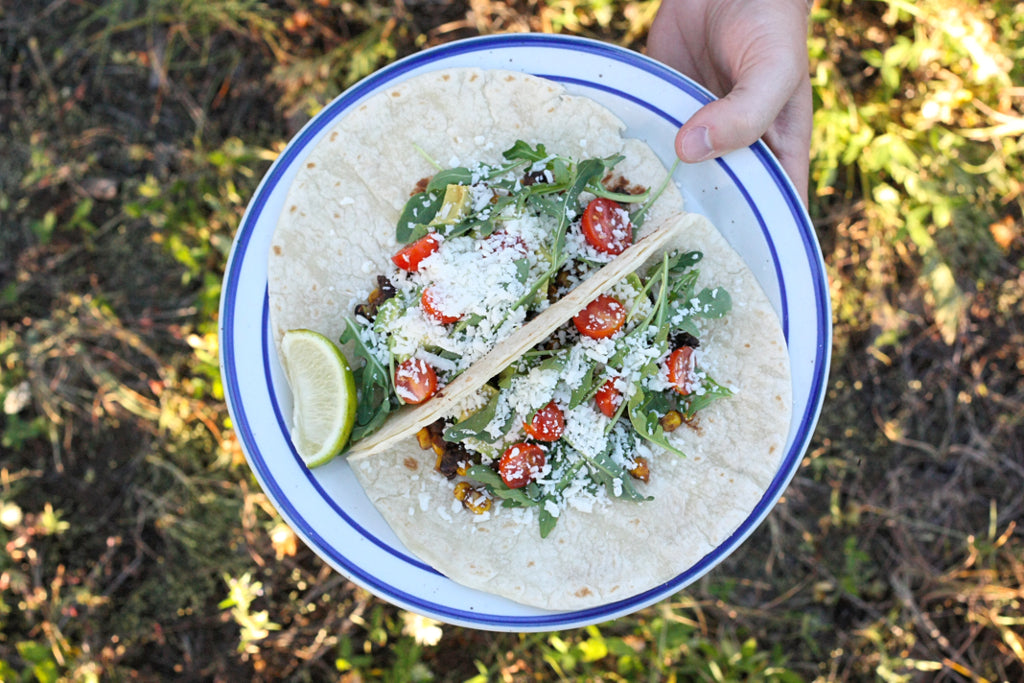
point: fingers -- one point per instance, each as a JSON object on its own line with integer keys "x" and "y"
{"x": 735, "y": 121}
{"x": 753, "y": 54}
{"x": 744, "y": 116}
{"x": 765, "y": 57}
{"x": 766, "y": 66}
{"x": 789, "y": 137}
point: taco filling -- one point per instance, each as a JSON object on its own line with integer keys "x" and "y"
{"x": 484, "y": 248}
{"x": 584, "y": 415}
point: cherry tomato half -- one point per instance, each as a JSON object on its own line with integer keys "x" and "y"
{"x": 521, "y": 463}
{"x": 547, "y": 424}
{"x": 681, "y": 366}
{"x": 435, "y": 308}
{"x": 409, "y": 257}
{"x": 415, "y": 380}
{"x": 608, "y": 398}
{"x": 606, "y": 226}
{"x": 601, "y": 318}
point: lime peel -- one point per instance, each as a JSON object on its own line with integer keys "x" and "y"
{"x": 323, "y": 394}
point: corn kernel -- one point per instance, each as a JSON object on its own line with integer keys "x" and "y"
{"x": 641, "y": 469}
{"x": 473, "y": 499}
{"x": 671, "y": 420}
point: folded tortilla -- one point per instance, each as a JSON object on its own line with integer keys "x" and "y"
{"x": 337, "y": 228}
{"x": 620, "y": 548}
{"x": 336, "y": 233}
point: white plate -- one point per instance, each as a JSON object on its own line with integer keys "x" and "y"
{"x": 746, "y": 195}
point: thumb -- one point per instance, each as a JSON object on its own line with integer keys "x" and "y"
{"x": 737, "y": 120}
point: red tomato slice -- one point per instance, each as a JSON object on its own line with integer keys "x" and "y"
{"x": 681, "y": 366}
{"x": 608, "y": 398}
{"x": 409, "y": 257}
{"x": 606, "y": 226}
{"x": 521, "y": 463}
{"x": 433, "y": 308}
{"x": 415, "y": 380}
{"x": 602, "y": 317}
{"x": 547, "y": 424}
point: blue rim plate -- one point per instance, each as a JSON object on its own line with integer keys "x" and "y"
{"x": 746, "y": 194}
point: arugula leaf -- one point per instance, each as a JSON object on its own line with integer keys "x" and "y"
{"x": 416, "y": 214}
{"x": 522, "y": 151}
{"x": 616, "y": 480}
{"x": 449, "y": 176}
{"x": 546, "y": 520}
{"x": 620, "y": 197}
{"x": 588, "y": 385}
{"x": 682, "y": 273}
{"x": 422, "y": 207}
{"x": 694, "y": 403}
{"x": 544, "y": 204}
{"x": 646, "y": 420}
{"x": 483, "y": 223}
{"x": 475, "y": 426}
{"x": 713, "y": 302}
{"x": 494, "y": 483}
{"x": 373, "y": 385}
{"x": 589, "y": 173}
{"x": 522, "y": 269}
{"x": 561, "y": 171}
{"x": 638, "y": 216}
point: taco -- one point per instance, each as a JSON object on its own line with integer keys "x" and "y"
{"x": 422, "y": 247}
{"x": 702, "y": 481}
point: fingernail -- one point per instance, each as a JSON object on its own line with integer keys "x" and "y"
{"x": 696, "y": 144}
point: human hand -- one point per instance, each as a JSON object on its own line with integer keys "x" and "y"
{"x": 753, "y": 55}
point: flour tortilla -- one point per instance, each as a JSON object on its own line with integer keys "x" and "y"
{"x": 336, "y": 233}
{"x": 620, "y": 548}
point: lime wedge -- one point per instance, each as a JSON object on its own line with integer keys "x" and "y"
{"x": 324, "y": 394}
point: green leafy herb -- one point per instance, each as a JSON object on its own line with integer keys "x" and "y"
{"x": 451, "y": 176}
{"x": 522, "y": 151}
{"x": 710, "y": 392}
{"x": 373, "y": 385}
{"x": 638, "y": 217}
{"x": 646, "y": 419}
{"x": 476, "y": 425}
{"x": 416, "y": 215}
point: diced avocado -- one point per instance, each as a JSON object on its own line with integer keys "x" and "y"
{"x": 486, "y": 393}
{"x": 387, "y": 312}
{"x": 630, "y": 291}
{"x": 489, "y": 451}
{"x": 454, "y": 207}
{"x": 384, "y": 324}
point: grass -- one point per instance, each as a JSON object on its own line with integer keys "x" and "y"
{"x": 136, "y": 544}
